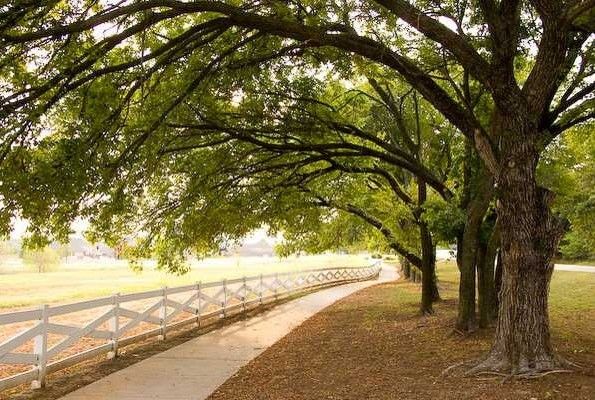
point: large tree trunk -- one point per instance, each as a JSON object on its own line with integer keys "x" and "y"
{"x": 530, "y": 234}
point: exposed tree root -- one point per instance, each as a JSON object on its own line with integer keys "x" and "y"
{"x": 569, "y": 364}
{"x": 491, "y": 373}
{"x": 497, "y": 364}
{"x": 490, "y": 364}
{"x": 542, "y": 374}
{"x": 453, "y": 367}
{"x": 427, "y": 312}
{"x": 463, "y": 332}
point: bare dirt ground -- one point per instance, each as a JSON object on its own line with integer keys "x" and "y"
{"x": 373, "y": 345}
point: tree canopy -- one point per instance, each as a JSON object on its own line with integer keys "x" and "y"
{"x": 192, "y": 122}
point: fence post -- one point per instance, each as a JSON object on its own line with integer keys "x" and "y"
{"x": 114, "y": 327}
{"x": 41, "y": 348}
{"x": 276, "y": 285}
{"x": 163, "y": 314}
{"x": 224, "y": 302}
{"x": 260, "y": 290}
{"x": 244, "y": 293}
{"x": 199, "y": 303}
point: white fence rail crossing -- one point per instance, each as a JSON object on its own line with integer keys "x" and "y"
{"x": 37, "y": 342}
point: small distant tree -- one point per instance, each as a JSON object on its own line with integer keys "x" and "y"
{"x": 7, "y": 249}
{"x": 41, "y": 260}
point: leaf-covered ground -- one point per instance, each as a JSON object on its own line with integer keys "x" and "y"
{"x": 373, "y": 345}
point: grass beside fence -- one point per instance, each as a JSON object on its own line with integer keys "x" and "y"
{"x": 85, "y": 281}
{"x": 572, "y": 303}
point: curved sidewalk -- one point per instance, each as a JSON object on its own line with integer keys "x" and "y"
{"x": 574, "y": 268}
{"x": 193, "y": 370}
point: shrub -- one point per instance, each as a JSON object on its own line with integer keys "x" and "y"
{"x": 576, "y": 247}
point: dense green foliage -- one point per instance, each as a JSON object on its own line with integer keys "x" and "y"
{"x": 187, "y": 126}
{"x": 569, "y": 169}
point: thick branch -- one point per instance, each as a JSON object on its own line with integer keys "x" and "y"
{"x": 376, "y": 223}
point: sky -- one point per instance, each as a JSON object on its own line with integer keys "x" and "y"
{"x": 79, "y": 226}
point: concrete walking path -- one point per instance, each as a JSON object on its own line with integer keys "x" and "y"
{"x": 574, "y": 268}
{"x": 193, "y": 370}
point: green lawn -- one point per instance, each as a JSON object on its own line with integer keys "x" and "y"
{"x": 85, "y": 281}
{"x": 588, "y": 262}
{"x": 572, "y": 303}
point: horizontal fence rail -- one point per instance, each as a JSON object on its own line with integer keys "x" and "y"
{"x": 37, "y": 342}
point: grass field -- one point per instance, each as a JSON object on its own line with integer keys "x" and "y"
{"x": 74, "y": 282}
{"x": 572, "y": 303}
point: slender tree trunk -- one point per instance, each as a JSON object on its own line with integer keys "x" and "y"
{"x": 480, "y": 260}
{"x": 429, "y": 290}
{"x": 435, "y": 291}
{"x": 405, "y": 267}
{"x": 466, "y": 318}
{"x": 485, "y": 282}
{"x": 487, "y": 297}
{"x": 530, "y": 234}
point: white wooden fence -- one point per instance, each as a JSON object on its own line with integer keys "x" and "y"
{"x": 48, "y": 339}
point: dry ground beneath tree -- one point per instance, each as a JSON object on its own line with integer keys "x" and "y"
{"x": 373, "y": 345}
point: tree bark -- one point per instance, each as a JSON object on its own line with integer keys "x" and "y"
{"x": 467, "y": 246}
{"x": 498, "y": 277}
{"x": 487, "y": 301}
{"x": 435, "y": 291}
{"x": 530, "y": 234}
{"x": 405, "y": 268}
{"x": 466, "y": 317}
{"x": 429, "y": 290}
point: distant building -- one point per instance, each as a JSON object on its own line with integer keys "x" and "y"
{"x": 255, "y": 249}
{"x": 79, "y": 248}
